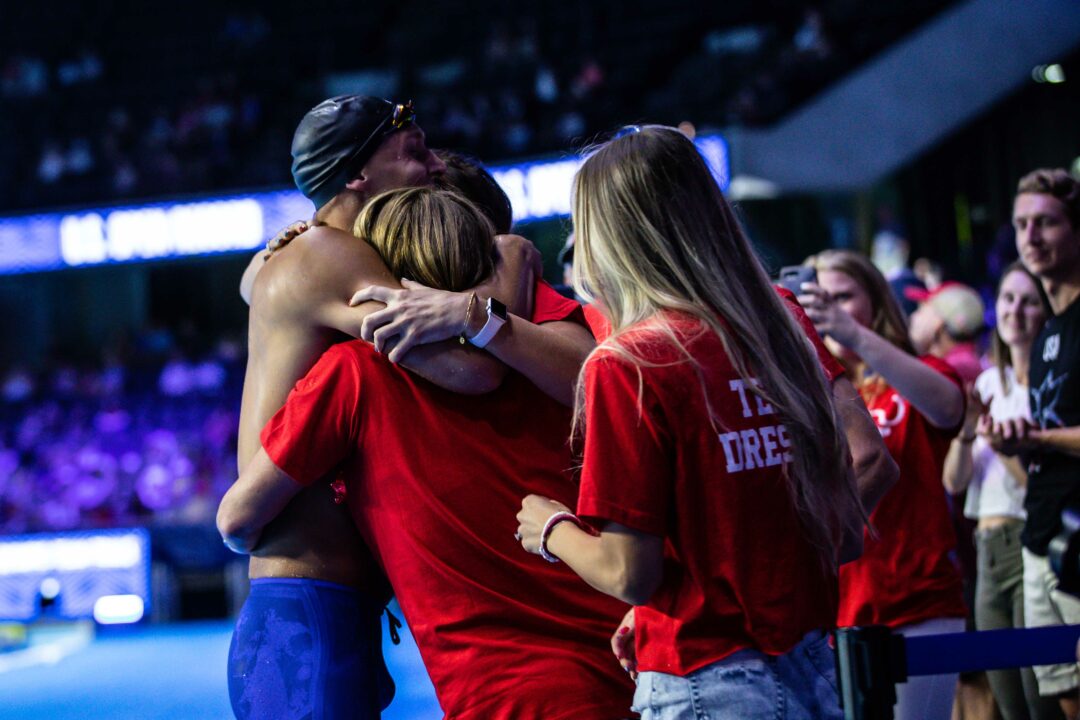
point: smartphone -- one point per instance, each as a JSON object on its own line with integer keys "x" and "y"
{"x": 793, "y": 276}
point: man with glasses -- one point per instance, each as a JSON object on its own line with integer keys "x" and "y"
{"x": 309, "y": 637}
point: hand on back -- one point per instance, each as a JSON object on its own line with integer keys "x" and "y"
{"x": 285, "y": 236}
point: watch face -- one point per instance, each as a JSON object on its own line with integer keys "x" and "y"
{"x": 496, "y": 308}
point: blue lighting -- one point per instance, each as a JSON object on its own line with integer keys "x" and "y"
{"x": 538, "y": 190}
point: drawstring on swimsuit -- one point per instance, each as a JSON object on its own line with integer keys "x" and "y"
{"x": 394, "y": 623}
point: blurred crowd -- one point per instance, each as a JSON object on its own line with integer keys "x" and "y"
{"x": 195, "y": 107}
{"x": 143, "y": 438}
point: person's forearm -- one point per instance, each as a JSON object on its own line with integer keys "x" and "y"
{"x": 959, "y": 467}
{"x": 454, "y": 367}
{"x": 441, "y": 360}
{"x": 550, "y": 355}
{"x": 875, "y": 470}
{"x": 258, "y": 496}
{"x": 239, "y": 534}
{"x": 602, "y": 563}
{"x": 243, "y": 543}
{"x": 875, "y": 476}
{"x": 937, "y": 397}
{"x": 1064, "y": 440}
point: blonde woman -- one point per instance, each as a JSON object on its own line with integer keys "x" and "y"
{"x": 996, "y": 484}
{"x": 715, "y": 472}
{"x": 906, "y": 578}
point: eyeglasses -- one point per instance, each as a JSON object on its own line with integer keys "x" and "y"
{"x": 402, "y": 116}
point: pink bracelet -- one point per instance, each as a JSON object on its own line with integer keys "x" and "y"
{"x": 552, "y": 521}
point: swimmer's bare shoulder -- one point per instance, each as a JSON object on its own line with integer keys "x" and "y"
{"x": 297, "y": 300}
{"x": 320, "y": 267}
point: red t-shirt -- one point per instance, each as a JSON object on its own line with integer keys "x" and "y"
{"x": 738, "y": 570}
{"x": 434, "y": 481}
{"x": 907, "y": 575}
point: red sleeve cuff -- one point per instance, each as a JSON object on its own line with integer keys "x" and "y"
{"x": 597, "y": 512}
{"x": 550, "y": 306}
{"x": 281, "y": 461}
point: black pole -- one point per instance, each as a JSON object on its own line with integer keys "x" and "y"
{"x": 869, "y": 663}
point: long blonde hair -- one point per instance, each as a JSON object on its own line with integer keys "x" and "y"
{"x": 655, "y": 233}
{"x": 435, "y": 237}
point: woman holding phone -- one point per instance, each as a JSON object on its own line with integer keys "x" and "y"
{"x": 906, "y": 578}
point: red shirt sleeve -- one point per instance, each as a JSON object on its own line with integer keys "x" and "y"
{"x": 944, "y": 368}
{"x": 627, "y": 470}
{"x": 318, "y": 426}
{"x": 598, "y": 324}
{"x": 550, "y": 306}
{"x": 832, "y": 367}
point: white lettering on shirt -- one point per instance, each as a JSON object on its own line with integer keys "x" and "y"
{"x": 768, "y": 442}
{"x": 884, "y": 422}
{"x": 760, "y": 447}
{"x": 732, "y": 451}
{"x": 752, "y": 448}
{"x": 785, "y": 442}
{"x": 763, "y": 408}
{"x": 740, "y": 387}
{"x": 1051, "y": 348}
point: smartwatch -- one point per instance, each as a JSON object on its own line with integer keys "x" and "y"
{"x": 496, "y": 318}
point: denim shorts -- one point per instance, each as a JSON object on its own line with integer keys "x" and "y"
{"x": 749, "y": 685}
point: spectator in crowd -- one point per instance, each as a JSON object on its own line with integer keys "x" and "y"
{"x": 995, "y": 483}
{"x": 929, "y": 271}
{"x": 946, "y": 324}
{"x": 522, "y": 90}
{"x": 890, "y": 251}
{"x": 1046, "y": 216}
{"x": 906, "y": 578}
{"x": 91, "y": 447}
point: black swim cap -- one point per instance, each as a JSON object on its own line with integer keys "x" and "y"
{"x": 337, "y": 137}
